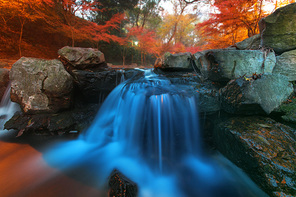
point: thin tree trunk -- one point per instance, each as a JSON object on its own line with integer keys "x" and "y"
{"x": 21, "y": 37}
{"x": 72, "y": 35}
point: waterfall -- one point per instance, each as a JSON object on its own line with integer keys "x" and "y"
{"x": 7, "y": 108}
{"x": 148, "y": 129}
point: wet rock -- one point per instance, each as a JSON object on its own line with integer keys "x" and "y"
{"x": 287, "y": 110}
{"x": 286, "y": 65}
{"x": 82, "y": 58}
{"x": 94, "y": 86}
{"x": 77, "y": 119}
{"x": 179, "y": 61}
{"x": 40, "y": 85}
{"x": 278, "y": 30}
{"x": 251, "y": 43}
{"x": 4, "y": 80}
{"x": 264, "y": 149}
{"x": 252, "y": 95}
{"x": 208, "y": 98}
{"x": 224, "y": 64}
{"x": 119, "y": 185}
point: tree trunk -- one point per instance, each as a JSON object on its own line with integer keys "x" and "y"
{"x": 21, "y": 37}
{"x": 72, "y": 35}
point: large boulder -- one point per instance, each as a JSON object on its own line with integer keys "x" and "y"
{"x": 286, "y": 65}
{"x": 278, "y": 30}
{"x": 264, "y": 149}
{"x": 179, "y": 61}
{"x": 82, "y": 58}
{"x": 255, "y": 94}
{"x": 40, "y": 85}
{"x": 4, "y": 80}
{"x": 224, "y": 65}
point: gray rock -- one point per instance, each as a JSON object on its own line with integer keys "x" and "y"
{"x": 251, "y": 43}
{"x": 208, "y": 98}
{"x": 263, "y": 148}
{"x": 224, "y": 65}
{"x": 179, "y": 61}
{"x": 278, "y": 30}
{"x": 251, "y": 95}
{"x": 4, "y": 80}
{"x": 40, "y": 85}
{"x": 82, "y": 58}
{"x": 286, "y": 65}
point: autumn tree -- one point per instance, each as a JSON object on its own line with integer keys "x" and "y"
{"x": 24, "y": 11}
{"x": 233, "y": 21}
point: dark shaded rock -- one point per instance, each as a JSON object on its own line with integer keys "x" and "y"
{"x": 4, "y": 80}
{"x": 40, "y": 85}
{"x": 251, "y": 43}
{"x": 179, "y": 61}
{"x": 208, "y": 98}
{"x": 286, "y": 65}
{"x": 119, "y": 185}
{"x": 131, "y": 73}
{"x": 287, "y": 110}
{"x": 278, "y": 30}
{"x": 82, "y": 58}
{"x": 252, "y": 95}
{"x": 94, "y": 86}
{"x": 51, "y": 124}
{"x": 225, "y": 64}
{"x": 264, "y": 149}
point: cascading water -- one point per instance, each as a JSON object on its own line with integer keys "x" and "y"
{"x": 7, "y": 108}
{"x": 148, "y": 129}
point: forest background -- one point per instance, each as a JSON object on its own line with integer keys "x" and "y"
{"x": 127, "y": 31}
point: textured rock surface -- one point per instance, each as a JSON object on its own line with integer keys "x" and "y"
{"x": 4, "y": 80}
{"x": 120, "y": 185}
{"x": 94, "y": 86}
{"x": 76, "y": 119}
{"x": 264, "y": 149}
{"x": 224, "y": 65}
{"x": 278, "y": 30}
{"x": 287, "y": 110}
{"x": 251, "y": 43}
{"x": 179, "y": 61}
{"x": 40, "y": 85}
{"x": 286, "y": 65}
{"x": 250, "y": 96}
{"x": 82, "y": 58}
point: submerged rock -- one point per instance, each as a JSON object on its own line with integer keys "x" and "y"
{"x": 278, "y": 30}
{"x": 252, "y": 95}
{"x": 286, "y": 65}
{"x": 224, "y": 64}
{"x": 119, "y": 185}
{"x": 4, "y": 80}
{"x": 264, "y": 149}
{"x": 82, "y": 58}
{"x": 40, "y": 85}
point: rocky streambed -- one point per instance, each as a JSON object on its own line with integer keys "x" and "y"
{"x": 246, "y": 97}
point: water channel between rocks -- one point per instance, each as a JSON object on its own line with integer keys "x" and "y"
{"x": 148, "y": 129}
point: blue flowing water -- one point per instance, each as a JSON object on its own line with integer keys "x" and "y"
{"x": 7, "y": 108}
{"x": 148, "y": 129}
